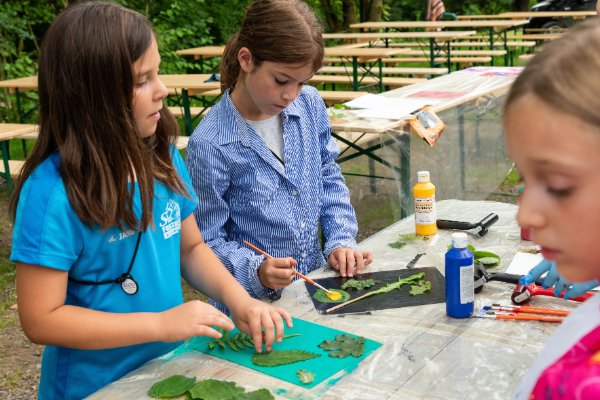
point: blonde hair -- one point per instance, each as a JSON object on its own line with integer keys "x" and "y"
{"x": 281, "y": 31}
{"x": 563, "y": 74}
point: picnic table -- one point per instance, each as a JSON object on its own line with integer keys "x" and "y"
{"x": 424, "y": 354}
{"x": 469, "y": 101}
{"x": 432, "y": 38}
{"x": 494, "y": 27}
{"x": 182, "y": 86}
{"x": 360, "y": 57}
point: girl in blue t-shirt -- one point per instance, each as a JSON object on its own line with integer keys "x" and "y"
{"x": 103, "y": 211}
{"x": 264, "y": 160}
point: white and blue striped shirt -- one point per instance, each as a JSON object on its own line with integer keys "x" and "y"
{"x": 246, "y": 193}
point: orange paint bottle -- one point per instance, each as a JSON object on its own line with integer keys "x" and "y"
{"x": 425, "y": 212}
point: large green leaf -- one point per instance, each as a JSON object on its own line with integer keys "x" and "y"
{"x": 282, "y": 357}
{"x": 173, "y": 386}
{"x": 212, "y": 389}
{"x": 344, "y": 346}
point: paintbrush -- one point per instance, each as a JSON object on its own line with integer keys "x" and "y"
{"x": 530, "y": 310}
{"x": 306, "y": 278}
{"x": 522, "y": 317}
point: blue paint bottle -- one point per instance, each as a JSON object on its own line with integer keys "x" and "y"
{"x": 459, "y": 278}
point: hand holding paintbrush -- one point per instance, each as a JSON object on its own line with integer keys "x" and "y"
{"x": 307, "y": 279}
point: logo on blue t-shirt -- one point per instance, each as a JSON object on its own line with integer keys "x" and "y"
{"x": 171, "y": 219}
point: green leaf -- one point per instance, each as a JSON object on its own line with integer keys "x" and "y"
{"x": 358, "y": 285}
{"x": 281, "y": 357}
{"x": 305, "y": 376}
{"x": 340, "y": 106}
{"x": 412, "y": 236}
{"x": 422, "y": 288}
{"x": 397, "y": 245}
{"x": 321, "y": 296}
{"x": 480, "y": 254}
{"x": 397, "y": 285}
{"x": 488, "y": 261}
{"x": 405, "y": 238}
{"x": 344, "y": 346}
{"x": 212, "y": 389}
{"x": 172, "y": 386}
{"x": 239, "y": 340}
{"x": 260, "y": 394}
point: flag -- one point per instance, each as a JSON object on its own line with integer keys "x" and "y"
{"x": 435, "y": 9}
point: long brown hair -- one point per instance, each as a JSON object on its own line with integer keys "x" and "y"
{"x": 86, "y": 85}
{"x": 282, "y": 31}
{"x": 563, "y": 74}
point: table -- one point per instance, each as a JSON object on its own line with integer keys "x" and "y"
{"x": 477, "y": 16}
{"x": 425, "y": 354}
{"x": 182, "y": 85}
{"x": 203, "y": 53}
{"x": 548, "y": 14}
{"x": 366, "y": 54}
{"x": 7, "y": 132}
{"x": 469, "y": 101}
{"x": 493, "y": 27}
{"x": 430, "y": 37}
{"x": 355, "y": 54}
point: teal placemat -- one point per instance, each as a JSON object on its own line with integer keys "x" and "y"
{"x": 311, "y": 335}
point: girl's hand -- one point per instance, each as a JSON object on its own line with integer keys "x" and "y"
{"x": 276, "y": 273}
{"x": 346, "y": 260}
{"x": 194, "y": 318}
{"x": 261, "y": 321}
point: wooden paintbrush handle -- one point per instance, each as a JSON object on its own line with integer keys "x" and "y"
{"x": 346, "y": 303}
{"x": 529, "y": 317}
{"x": 547, "y": 311}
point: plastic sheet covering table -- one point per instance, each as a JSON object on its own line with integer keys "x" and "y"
{"x": 425, "y": 354}
{"x": 469, "y": 159}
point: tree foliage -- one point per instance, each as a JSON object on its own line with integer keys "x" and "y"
{"x": 190, "y": 23}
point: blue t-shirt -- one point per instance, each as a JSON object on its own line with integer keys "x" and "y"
{"x": 49, "y": 233}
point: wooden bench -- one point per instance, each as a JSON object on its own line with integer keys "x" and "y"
{"x": 339, "y": 96}
{"x": 386, "y": 70}
{"x": 469, "y": 42}
{"x": 177, "y": 111}
{"x": 367, "y": 80}
{"x": 198, "y": 93}
{"x": 526, "y": 57}
{"x": 510, "y": 45}
{"x": 356, "y": 45}
{"x": 15, "y": 167}
{"x": 438, "y": 60}
{"x": 461, "y": 53}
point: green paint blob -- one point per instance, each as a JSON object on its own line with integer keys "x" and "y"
{"x": 321, "y": 295}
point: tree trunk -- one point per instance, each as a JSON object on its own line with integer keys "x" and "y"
{"x": 331, "y": 21}
{"x": 370, "y": 10}
{"x": 521, "y": 5}
{"x": 349, "y": 13}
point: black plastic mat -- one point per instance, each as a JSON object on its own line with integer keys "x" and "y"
{"x": 394, "y": 299}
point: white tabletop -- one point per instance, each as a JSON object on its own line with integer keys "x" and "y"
{"x": 425, "y": 354}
